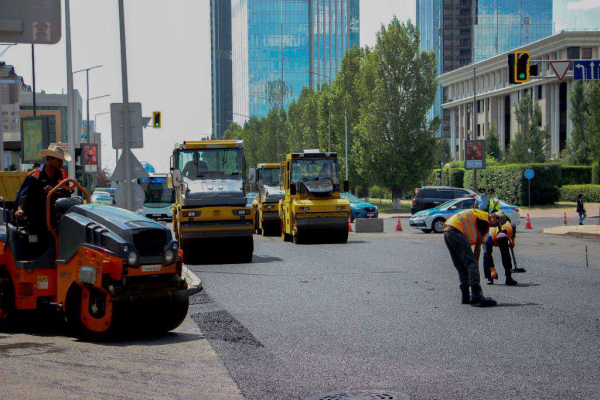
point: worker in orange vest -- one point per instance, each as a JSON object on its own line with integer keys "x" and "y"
{"x": 502, "y": 237}
{"x": 463, "y": 230}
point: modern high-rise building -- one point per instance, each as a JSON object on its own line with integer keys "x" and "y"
{"x": 220, "y": 36}
{"x": 281, "y": 46}
{"x": 461, "y": 32}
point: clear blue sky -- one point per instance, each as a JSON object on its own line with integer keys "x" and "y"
{"x": 169, "y": 60}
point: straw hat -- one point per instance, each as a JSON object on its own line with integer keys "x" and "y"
{"x": 56, "y": 152}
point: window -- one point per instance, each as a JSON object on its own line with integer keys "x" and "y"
{"x": 573, "y": 53}
{"x": 478, "y": 130}
{"x": 586, "y": 53}
{"x": 426, "y": 193}
{"x": 478, "y": 106}
{"x": 539, "y": 92}
{"x": 445, "y": 194}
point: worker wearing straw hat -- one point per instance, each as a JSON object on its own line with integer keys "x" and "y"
{"x": 31, "y": 197}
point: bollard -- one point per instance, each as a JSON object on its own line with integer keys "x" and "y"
{"x": 398, "y": 225}
{"x": 565, "y": 220}
{"x": 528, "y": 223}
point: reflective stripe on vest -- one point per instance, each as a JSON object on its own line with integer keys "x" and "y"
{"x": 465, "y": 221}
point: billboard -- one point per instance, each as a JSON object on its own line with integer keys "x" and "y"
{"x": 34, "y": 137}
{"x": 90, "y": 157}
{"x": 475, "y": 154}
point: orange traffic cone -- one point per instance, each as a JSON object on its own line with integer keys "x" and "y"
{"x": 350, "y": 225}
{"x": 398, "y": 225}
{"x": 565, "y": 220}
{"x": 528, "y": 223}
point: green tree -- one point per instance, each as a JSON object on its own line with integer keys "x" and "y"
{"x": 493, "y": 144}
{"x": 442, "y": 151}
{"x": 592, "y": 95}
{"x": 530, "y": 142}
{"x": 578, "y": 150}
{"x": 395, "y": 141}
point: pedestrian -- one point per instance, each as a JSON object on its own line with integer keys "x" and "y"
{"x": 482, "y": 202}
{"x": 502, "y": 237}
{"x": 494, "y": 201}
{"x": 463, "y": 230}
{"x": 581, "y": 209}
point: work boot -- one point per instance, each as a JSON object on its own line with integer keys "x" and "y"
{"x": 466, "y": 296}
{"x": 494, "y": 273}
{"x": 477, "y": 298}
{"x": 510, "y": 281}
{"x": 490, "y": 281}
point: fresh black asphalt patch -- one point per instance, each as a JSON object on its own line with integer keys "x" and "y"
{"x": 220, "y": 325}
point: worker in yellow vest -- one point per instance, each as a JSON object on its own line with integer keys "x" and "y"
{"x": 494, "y": 201}
{"x": 463, "y": 230}
{"x": 502, "y": 237}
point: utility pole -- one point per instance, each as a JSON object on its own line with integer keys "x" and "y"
{"x": 33, "y": 78}
{"x": 127, "y": 150}
{"x": 70, "y": 95}
{"x": 474, "y": 115}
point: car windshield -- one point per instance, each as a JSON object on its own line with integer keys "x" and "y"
{"x": 316, "y": 169}
{"x": 100, "y": 194}
{"x": 157, "y": 190}
{"x": 212, "y": 164}
{"x": 269, "y": 176}
{"x": 352, "y": 198}
{"x": 446, "y": 205}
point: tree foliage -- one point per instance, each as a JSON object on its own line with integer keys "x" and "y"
{"x": 531, "y": 140}
{"x": 493, "y": 144}
{"x": 381, "y": 94}
{"x": 592, "y": 96}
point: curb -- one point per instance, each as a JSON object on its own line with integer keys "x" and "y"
{"x": 194, "y": 283}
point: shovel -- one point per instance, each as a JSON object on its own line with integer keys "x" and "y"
{"x": 516, "y": 269}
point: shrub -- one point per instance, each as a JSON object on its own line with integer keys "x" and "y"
{"x": 596, "y": 174}
{"x": 512, "y": 186}
{"x": 575, "y": 175}
{"x": 591, "y": 193}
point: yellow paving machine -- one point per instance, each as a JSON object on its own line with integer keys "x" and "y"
{"x": 312, "y": 209}
{"x": 266, "y": 203}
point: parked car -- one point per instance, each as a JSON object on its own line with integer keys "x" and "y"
{"x": 100, "y": 197}
{"x": 432, "y": 196}
{"x": 111, "y": 191}
{"x": 359, "y": 208}
{"x": 434, "y": 218}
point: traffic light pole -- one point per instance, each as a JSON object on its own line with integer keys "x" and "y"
{"x": 127, "y": 151}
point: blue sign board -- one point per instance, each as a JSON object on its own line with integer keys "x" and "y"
{"x": 529, "y": 174}
{"x": 586, "y": 70}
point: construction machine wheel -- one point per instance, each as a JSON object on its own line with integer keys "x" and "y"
{"x": 7, "y": 295}
{"x": 191, "y": 252}
{"x": 89, "y": 313}
{"x": 246, "y": 250}
{"x": 169, "y": 313}
{"x": 284, "y": 236}
{"x": 296, "y": 236}
{"x": 342, "y": 237}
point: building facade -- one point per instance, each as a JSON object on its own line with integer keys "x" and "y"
{"x": 221, "y": 84}
{"x": 496, "y": 99}
{"x": 461, "y": 32}
{"x": 280, "y": 47}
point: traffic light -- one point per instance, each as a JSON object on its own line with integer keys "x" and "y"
{"x": 156, "y": 119}
{"x": 518, "y": 67}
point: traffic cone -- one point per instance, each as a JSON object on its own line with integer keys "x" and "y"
{"x": 350, "y": 225}
{"x": 398, "y": 225}
{"x": 565, "y": 220}
{"x": 528, "y": 223}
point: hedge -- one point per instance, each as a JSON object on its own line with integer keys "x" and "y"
{"x": 575, "y": 175}
{"x": 591, "y": 193}
{"x": 512, "y": 186}
{"x": 595, "y": 174}
{"x": 452, "y": 177}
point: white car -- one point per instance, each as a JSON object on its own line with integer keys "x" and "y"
{"x": 157, "y": 211}
{"x": 434, "y": 218}
{"x": 99, "y": 197}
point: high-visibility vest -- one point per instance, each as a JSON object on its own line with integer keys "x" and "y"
{"x": 494, "y": 204}
{"x": 492, "y": 236}
{"x": 466, "y": 222}
{"x": 37, "y": 172}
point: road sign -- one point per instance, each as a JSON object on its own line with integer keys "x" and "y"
{"x": 137, "y": 172}
{"x": 474, "y": 154}
{"x": 30, "y": 21}
{"x": 586, "y": 70}
{"x": 529, "y": 174}
{"x": 136, "y": 129}
{"x": 560, "y": 68}
{"x": 138, "y": 196}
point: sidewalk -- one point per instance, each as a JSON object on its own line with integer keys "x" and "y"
{"x": 580, "y": 231}
{"x": 558, "y": 212}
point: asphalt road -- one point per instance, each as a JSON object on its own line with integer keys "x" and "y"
{"x": 382, "y": 313}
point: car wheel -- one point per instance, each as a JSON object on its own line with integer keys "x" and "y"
{"x": 438, "y": 225}
{"x": 426, "y": 230}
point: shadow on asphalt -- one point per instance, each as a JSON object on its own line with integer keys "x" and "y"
{"x": 517, "y": 304}
{"x": 265, "y": 260}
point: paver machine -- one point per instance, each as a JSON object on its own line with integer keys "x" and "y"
{"x": 312, "y": 209}
{"x": 266, "y": 204}
{"x": 105, "y": 268}
{"x": 211, "y": 217}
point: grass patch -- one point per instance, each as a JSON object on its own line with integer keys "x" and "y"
{"x": 386, "y": 206}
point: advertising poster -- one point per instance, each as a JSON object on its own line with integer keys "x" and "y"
{"x": 90, "y": 157}
{"x": 34, "y": 137}
{"x": 474, "y": 154}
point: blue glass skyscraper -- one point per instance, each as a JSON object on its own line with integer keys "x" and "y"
{"x": 281, "y": 46}
{"x": 461, "y": 32}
